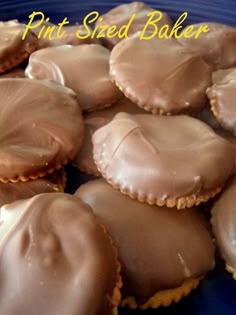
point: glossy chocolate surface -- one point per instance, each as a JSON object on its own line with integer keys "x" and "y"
{"x": 84, "y": 68}
{"x": 41, "y": 127}
{"x": 163, "y": 77}
{"x": 11, "y": 43}
{"x": 159, "y": 247}
{"x": 157, "y": 157}
{"x": 93, "y": 121}
{"x": 121, "y": 16}
{"x": 224, "y": 76}
{"x": 10, "y": 192}
{"x": 54, "y": 259}
{"x": 222, "y": 96}
{"x": 208, "y": 117}
{"x": 224, "y": 223}
{"x": 217, "y": 47}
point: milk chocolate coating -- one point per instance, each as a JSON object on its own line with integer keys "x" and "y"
{"x": 206, "y": 115}
{"x": 219, "y": 77}
{"x": 224, "y": 76}
{"x": 69, "y": 36}
{"x": 41, "y": 127}
{"x": 84, "y": 68}
{"x": 217, "y": 47}
{"x": 11, "y": 43}
{"x": 159, "y": 248}
{"x": 93, "y": 121}
{"x": 164, "y": 77}
{"x": 223, "y": 99}
{"x": 156, "y": 158}
{"x": 10, "y": 192}
{"x": 229, "y": 137}
{"x": 122, "y": 14}
{"x": 54, "y": 259}
{"x": 224, "y": 223}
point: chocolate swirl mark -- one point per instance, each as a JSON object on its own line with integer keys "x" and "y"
{"x": 129, "y": 128}
{"x": 149, "y": 31}
{"x": 187, "y": 272}
{"x": 44, "y": 69}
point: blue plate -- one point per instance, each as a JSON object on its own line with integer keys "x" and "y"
{"x": 199, "y": 10}
{"x": 216, "y": 294}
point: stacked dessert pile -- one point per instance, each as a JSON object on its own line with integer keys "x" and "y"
{"x": 135, "y": 117}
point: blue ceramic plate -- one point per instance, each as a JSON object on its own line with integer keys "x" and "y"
{"x": 216, "y": 294}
